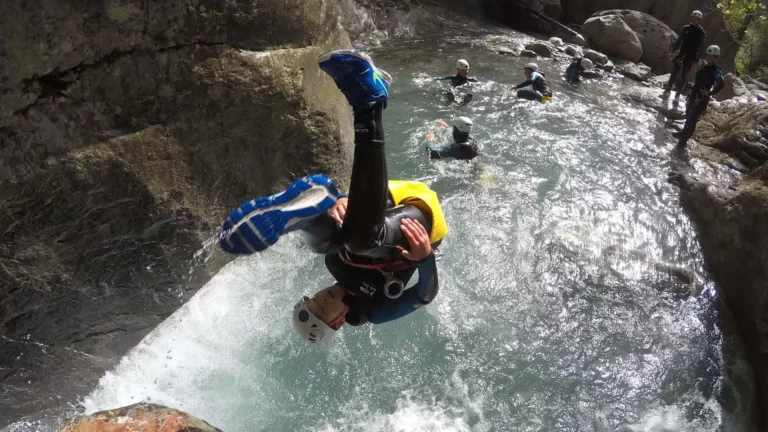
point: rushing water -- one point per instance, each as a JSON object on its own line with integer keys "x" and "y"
{"x": 552, "y": 315}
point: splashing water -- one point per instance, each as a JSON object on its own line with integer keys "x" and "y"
{"x": 551, "y": 316}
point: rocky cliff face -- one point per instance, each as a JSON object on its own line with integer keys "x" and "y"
{"x": 128, "y": 130}
{"x": 732, "y": 221}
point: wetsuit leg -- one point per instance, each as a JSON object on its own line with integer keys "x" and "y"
{"x": 529, "y": 95}
{"x": 673, "y": 76}
{"x": 685, "y": 68}
{"x": 363, "y": 227}
{"x": 572, "y": 74}
{"x": 694, "y": 111}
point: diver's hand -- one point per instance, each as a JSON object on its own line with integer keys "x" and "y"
{"x": 339, "y": 210}
{"x": 513, "y": 88}
{"x": 695, "y": 65}
{"x": 672, "y": 57}
{"x": 704, "y": 93}
{"x": 417, "y": 238}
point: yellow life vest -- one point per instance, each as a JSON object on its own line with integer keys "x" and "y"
{"x": 420, "y": 195}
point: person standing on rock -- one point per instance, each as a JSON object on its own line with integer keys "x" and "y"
{"x": 540, "y": 92}
{"x": 460, "y": 79}
{"x": 374, "y": 240}
{"x": 464, "y": 147}
{"x": 577, "y": 66}
{"x": 687, "y": 52}
{"x": 709, "y": 82}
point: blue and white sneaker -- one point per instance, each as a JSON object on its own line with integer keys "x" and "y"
{"x": 259, "y": 223}
{"x": 354, "y": 73}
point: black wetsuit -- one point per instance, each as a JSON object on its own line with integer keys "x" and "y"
{"x": 458, "y": 81}
{"x": 371, "y": 236}
{"x": 690, "y": 47}
{"x": 573, "y": 73}
{"x": 709, "y": 82}
{"x": 540, "y": 88}
{"x": 464, "y": 147}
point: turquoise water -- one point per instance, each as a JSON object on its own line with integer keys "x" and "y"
{"x": 552, "y": 314}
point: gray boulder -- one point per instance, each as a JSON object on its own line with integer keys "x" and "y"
{"x": 544, "y": 49}
{"x": 574, "y": 51}
{"x": 579, "y": 40}
{"x": 609, "y": 66}
{"x": 611, "y": 35}
{"x": 655, "y": 37}
{"x": 528, "y": 53}
{"x": 638, "y": 72}
{"x": 674, "y": 13}
{"x": 734, "y": 88}
{"x": 557, "y": 42}
{"x": 598, "y": 58}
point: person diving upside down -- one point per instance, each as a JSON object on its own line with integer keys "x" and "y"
{"x": 374, "y": 240}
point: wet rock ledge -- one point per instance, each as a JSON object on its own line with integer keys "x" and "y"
{"x": 732, "y": 221}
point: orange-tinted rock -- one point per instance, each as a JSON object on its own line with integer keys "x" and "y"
{"x": 141, "y": 417}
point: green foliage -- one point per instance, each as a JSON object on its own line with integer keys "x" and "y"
{"x": 746, "y": 21}
{"x": 753, "y": 51}
{"x": 739, "y": 14}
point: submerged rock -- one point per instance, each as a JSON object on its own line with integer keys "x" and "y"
{"x": 142, "y": 417}
{"x": 593, "y": 73}
{"x": 611, "y": 35}
{"x": 608, "y": 66}
{"x": 650, "y": 98}
{"x": 655, "y": 37}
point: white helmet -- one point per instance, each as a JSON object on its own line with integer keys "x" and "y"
{"x": 533, "y": 66}
{"x": 463, "y": 124}
{"x": 462, "y": 64}
{"x": 308, "y": 326}
{"x": 713, "y": 50}
{"x": 587, "y": 63}
{"x": 697, "y": 14}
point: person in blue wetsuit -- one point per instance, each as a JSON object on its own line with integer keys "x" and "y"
{"x": 540, "y": 92}
{"x": 709, "y": 82}
{"x": 374, "y": 239}
{"x": 577, "y": 66}
{"x": 464, "y": 147}
{"x": 460, "y": 79}
{"x": 687, "y": 52}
